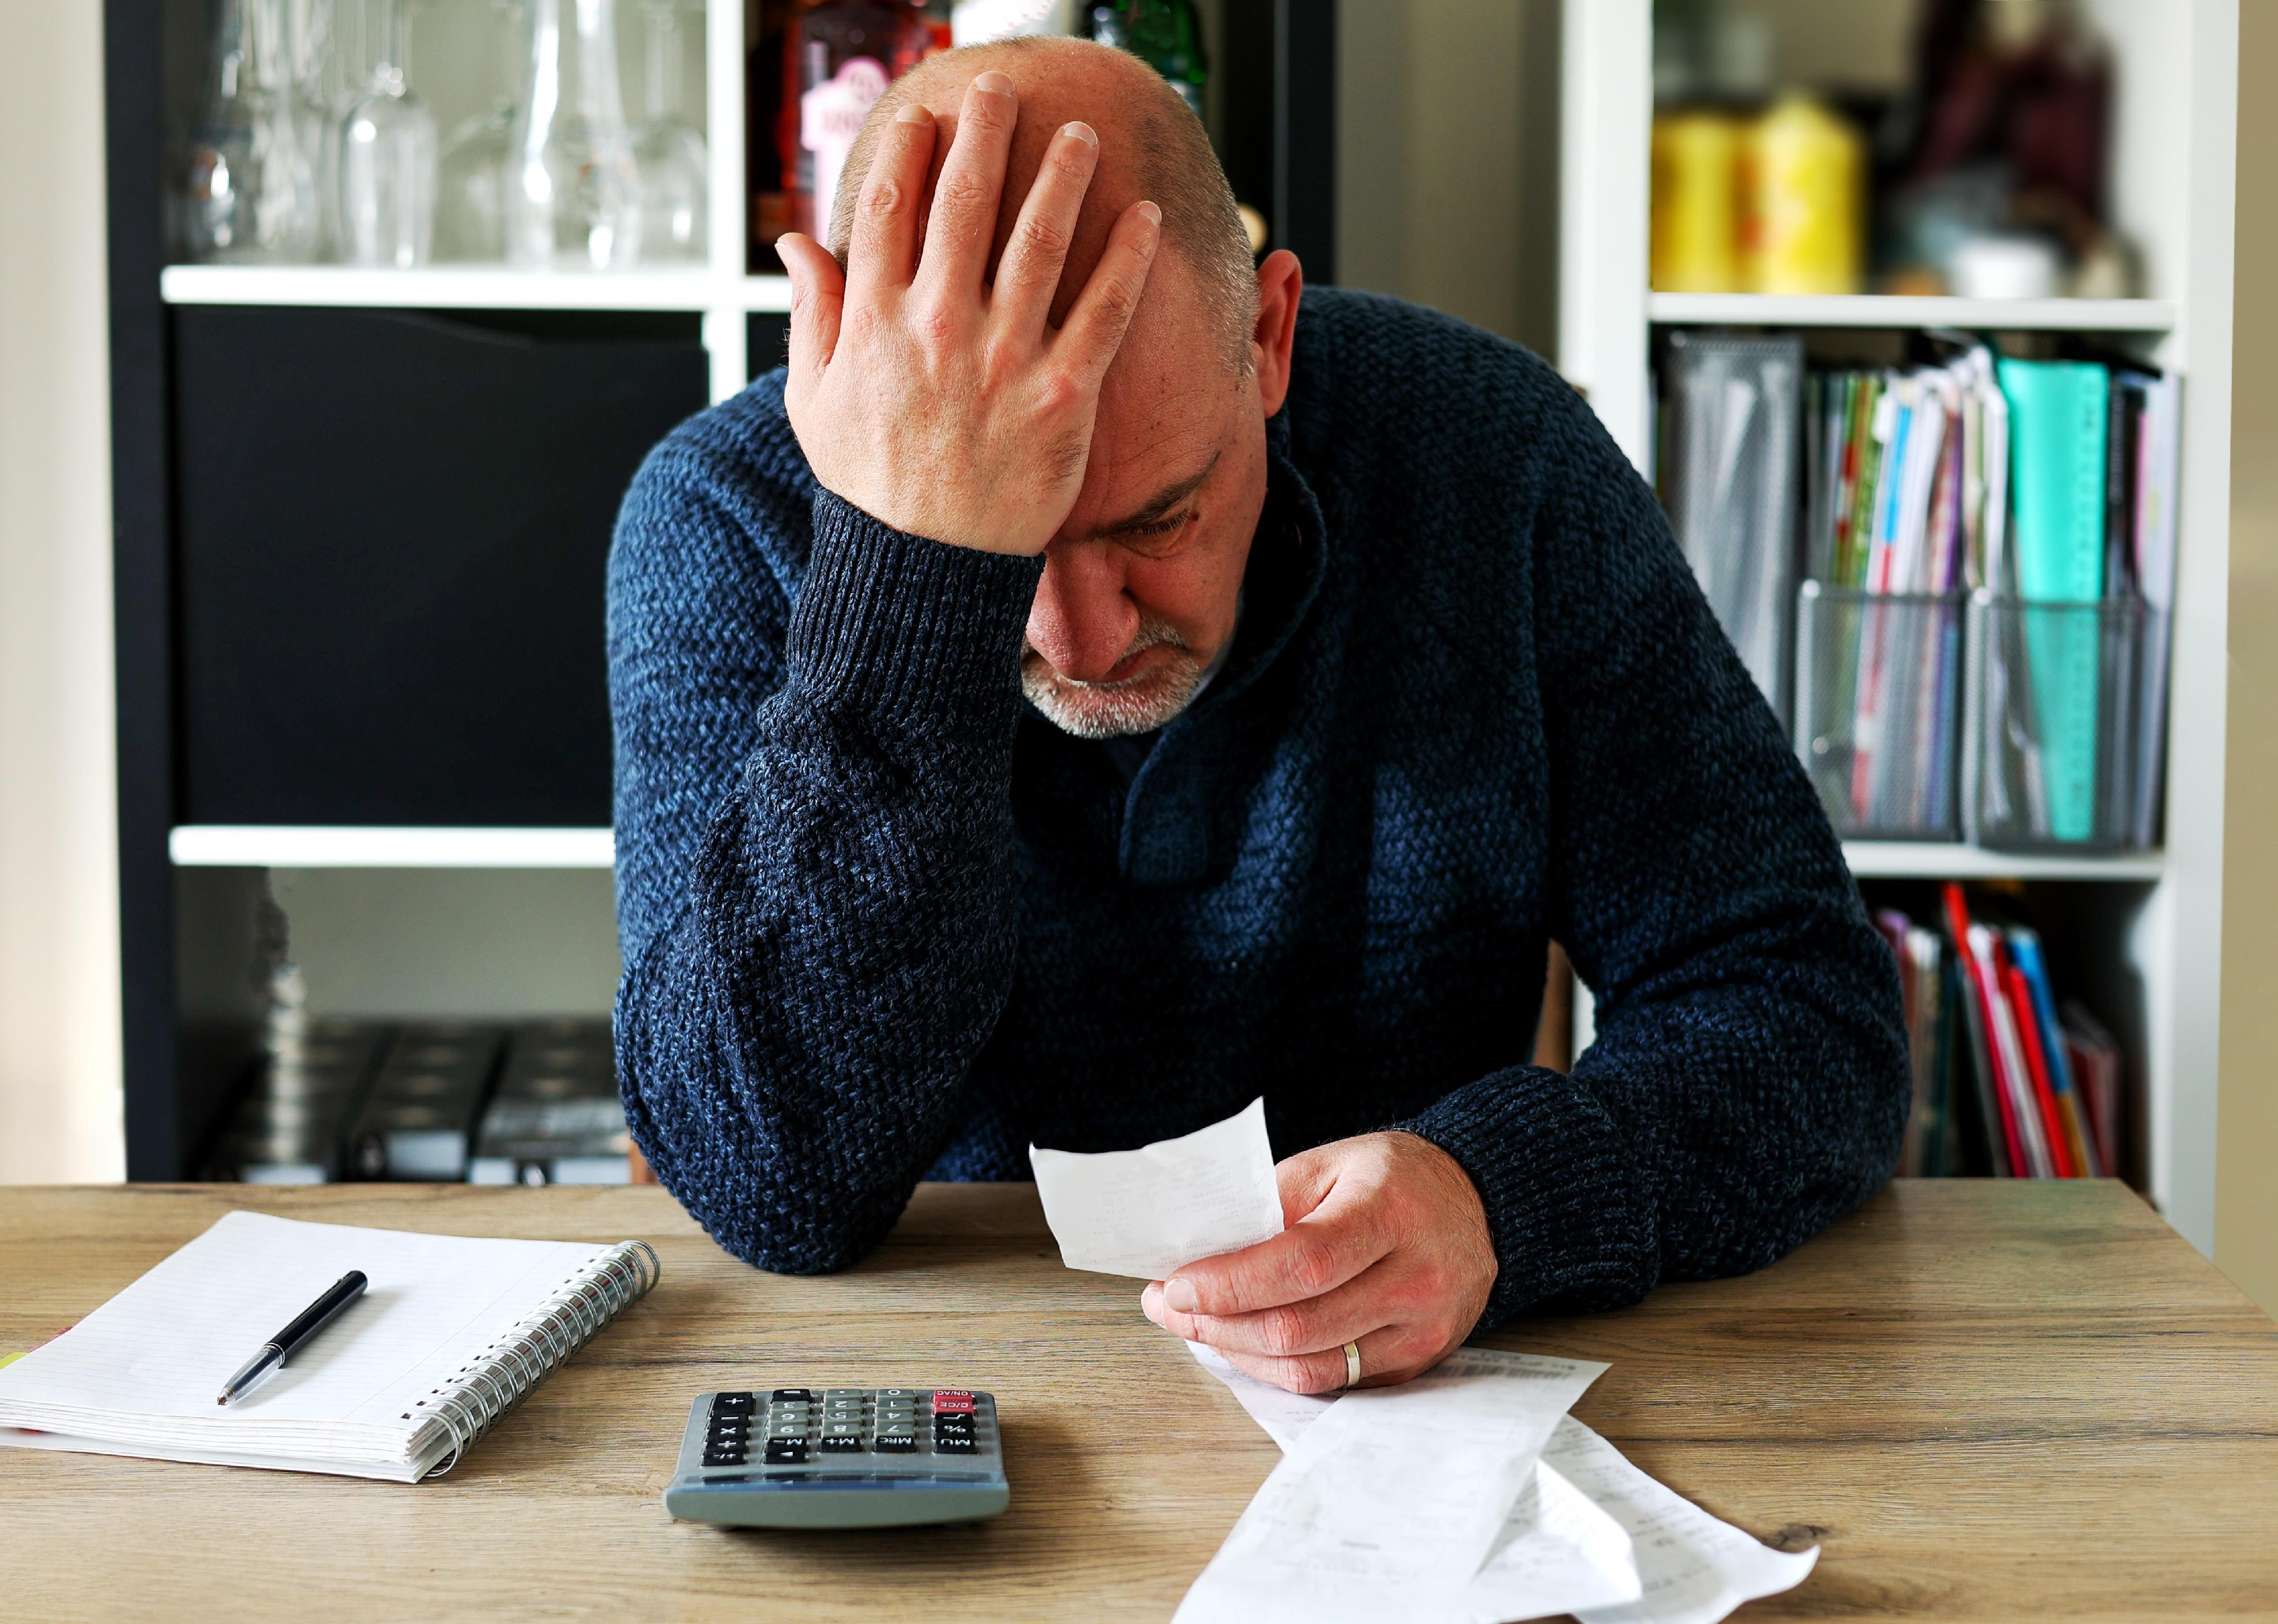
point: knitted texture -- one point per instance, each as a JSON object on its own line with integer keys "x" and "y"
{"x": 883, "y": 922}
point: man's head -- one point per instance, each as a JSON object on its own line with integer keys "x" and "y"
{"x": 1141, "y": 582}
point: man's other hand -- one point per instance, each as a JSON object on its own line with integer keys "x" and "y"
{"x": 934, "y": 399}
{"x": 1387, "y": 1246}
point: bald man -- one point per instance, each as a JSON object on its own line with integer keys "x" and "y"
{"x": 1080, "y": 694}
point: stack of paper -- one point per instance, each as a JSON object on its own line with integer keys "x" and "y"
{"x": 1467, "y": 1496}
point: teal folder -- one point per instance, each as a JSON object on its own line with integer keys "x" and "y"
{"x": 2058, "y": 416}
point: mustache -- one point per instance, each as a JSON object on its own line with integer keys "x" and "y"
{"x": 1154, "y": 632}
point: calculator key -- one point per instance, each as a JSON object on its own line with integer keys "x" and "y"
{"x": 848, "y": 1446}
{"x": 953, "y": 1432}
{"x": 788, "y": 1429}
{"x": 724, "y": 1457}
{"x": 723, "y": 1437}
{"x": 842, "y": 1429}
{"x": 790, "y": 1395}
{"x": 955, "y": 1444}
{"x": 957, "y": 1405}
{"x": 786, "y": 1452}
{"x": 732, "y": 1404}
{"x": 910, "y": 1393}
{"x": 896, "y": 1443}
{"x": 845, "y": 1392}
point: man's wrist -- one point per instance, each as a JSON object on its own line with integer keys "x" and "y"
{"x": 900, "y": 625}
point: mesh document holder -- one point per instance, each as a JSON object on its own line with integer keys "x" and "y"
{"x": 2066, "y": 724}
{"x": 1877, "y": 697}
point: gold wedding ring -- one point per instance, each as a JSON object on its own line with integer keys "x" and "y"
{"x": 1352, "y": 1364}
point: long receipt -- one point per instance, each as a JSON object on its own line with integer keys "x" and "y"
{"x": 1144, "y": 1212}
{"x": 1387, "y": 1502}
{"x": 1587, "y": 1533}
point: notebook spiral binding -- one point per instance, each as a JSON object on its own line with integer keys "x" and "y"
{"x": 490, "y": 1383}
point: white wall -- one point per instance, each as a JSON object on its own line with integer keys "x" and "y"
{"x": 1447, "y": 158}
{"x": 59, "y": 1060}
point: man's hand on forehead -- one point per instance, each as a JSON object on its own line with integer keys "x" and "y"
{"x": 936, "y": 401}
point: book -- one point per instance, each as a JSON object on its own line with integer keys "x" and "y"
{"x": 2025, "y": 949}
{"x": 2094, "y": 1057}
{"x": 2060, "y": 412}
{"x": 451, "y": 1332}
{"x": 1999, "y": 1140}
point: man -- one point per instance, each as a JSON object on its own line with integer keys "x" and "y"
{"x": 1080, "y": 693}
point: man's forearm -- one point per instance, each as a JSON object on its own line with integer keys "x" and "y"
{"x": 794, "y": 1043}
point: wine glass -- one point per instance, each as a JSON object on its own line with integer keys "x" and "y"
{"x": 673, "y": 175}
{"x": 471, "y": 175}
{"x": 388, "y": 158}
{"x": 249, "y": 188}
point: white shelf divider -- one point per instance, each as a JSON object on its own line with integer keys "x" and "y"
{"x": 2156, "y": 315}
{"x": 470, "y": 287}
{"x": 1907, "y": 859}
{"x": 214, "y": 845}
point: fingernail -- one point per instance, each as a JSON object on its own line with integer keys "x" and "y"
{"x": 1178, "y": 1293}
{"x": 1082, "y": 132}
{"x": 913, "y": 112}
{"x": 1154, "y": 215}
{"x": 994, "y": 83}
{"x": 1150, "y": 1301}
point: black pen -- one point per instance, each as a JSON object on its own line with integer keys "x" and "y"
{"x": 289, "y": 1341}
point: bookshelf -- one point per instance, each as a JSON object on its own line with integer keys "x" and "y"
{"x": 2156, "y": 924}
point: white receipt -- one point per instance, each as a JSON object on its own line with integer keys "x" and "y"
{"x": 1144, "y": 1212}
{"x": 1391, "y": 1498}
{"x": 1695, "y": 1569}
{"x": 1639, "y": 1553}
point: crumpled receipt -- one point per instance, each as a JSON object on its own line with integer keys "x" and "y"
{"x": 1144, "y": 1212}
{"x": 1589, "y": 1535}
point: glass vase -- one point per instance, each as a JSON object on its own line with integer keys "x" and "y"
{"x": 673, "y": 175}
{"x": 388, "y": 158}
{"x": 574, "y": 197}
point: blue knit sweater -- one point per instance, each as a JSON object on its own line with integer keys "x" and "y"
{"x": 882, "y": 922}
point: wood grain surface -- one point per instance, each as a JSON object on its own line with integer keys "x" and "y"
{"x": 1983, "y": 1400}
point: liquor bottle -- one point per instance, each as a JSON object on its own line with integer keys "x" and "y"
{"x": 1165, "y": 34}
{"x": 767, "y": 25}
{"x": 838, "y": 59}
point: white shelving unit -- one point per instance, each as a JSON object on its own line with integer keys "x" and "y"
{"x": 1883, "y": 310}
{"x": 2174, "y": 141}
{"x": 213, "y": 845}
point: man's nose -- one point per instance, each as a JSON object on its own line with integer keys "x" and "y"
{"x": 1083, "y": 619}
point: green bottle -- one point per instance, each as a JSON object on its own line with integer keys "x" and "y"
{"x": 1165, "y": 34}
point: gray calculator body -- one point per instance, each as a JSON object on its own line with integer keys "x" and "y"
{"x": 839, "y": 1458}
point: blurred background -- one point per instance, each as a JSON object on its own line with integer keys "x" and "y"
{"x": 330, "y": 329}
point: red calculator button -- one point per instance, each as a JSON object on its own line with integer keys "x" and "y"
{"x": 950, "y": 1402}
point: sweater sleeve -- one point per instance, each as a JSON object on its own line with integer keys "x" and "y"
{"x": 813, "y": 957}
{"x": 1749, "y": 1083}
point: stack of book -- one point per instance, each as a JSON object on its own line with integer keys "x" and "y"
{"x": 2005, "y": 1082}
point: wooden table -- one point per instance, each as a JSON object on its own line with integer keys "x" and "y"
{"x": 1983, "y": 1400}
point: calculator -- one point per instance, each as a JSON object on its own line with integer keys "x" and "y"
{"x": 839, "y": 1458}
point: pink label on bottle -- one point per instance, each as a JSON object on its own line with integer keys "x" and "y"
{"x": 830, "y": 115}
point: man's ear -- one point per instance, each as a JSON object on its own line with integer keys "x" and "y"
{"x": 1279, "y": 285}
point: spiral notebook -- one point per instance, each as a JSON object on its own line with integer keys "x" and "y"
{"x": 449, "y": 1335}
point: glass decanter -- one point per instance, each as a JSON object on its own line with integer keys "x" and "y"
{"x": 248, "y": 188}
{"x": 477, "y": 158}
{"x": 387, "y": 158}
{"x": 574, "y": 192}
{"x": 674, "y": 176}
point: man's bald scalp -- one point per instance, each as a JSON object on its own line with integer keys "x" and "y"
{"x": 1157, "y": 137}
